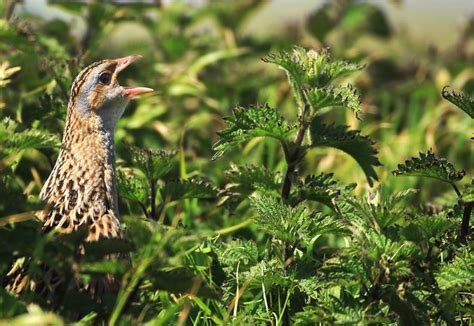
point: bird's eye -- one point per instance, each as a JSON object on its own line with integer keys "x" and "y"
{"x": 105, "y": 77}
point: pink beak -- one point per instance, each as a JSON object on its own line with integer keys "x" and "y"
{"x": 123, "y": 63}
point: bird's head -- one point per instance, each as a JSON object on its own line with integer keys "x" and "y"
{"x": 96, "y": 89}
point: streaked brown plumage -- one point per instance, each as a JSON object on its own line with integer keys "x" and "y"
{"x": 82, "y": 189}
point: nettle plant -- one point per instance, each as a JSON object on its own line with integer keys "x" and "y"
{"x": 284, "y": 278}
{"x": 431, "y": 166}
{"x": 148, "y": 183}
{"x": 362, "y": 260}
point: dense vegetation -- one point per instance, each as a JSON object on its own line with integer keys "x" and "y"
{"x": 250, "y": 194}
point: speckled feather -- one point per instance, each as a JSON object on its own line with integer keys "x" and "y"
{"x": 81, "y": 188}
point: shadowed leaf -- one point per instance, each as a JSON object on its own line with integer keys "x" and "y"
{"x": 349, "y": 141}
{"x": 186, "y": 189}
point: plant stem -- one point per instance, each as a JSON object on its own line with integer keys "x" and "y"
{"x": 466, "y": 216}
{"x": 458, "y": 193}
{"x": 143, "y": 207}
{"x": 153, "y": 199}
{"x": 292, "y": 159}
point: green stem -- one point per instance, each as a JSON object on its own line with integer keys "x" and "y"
{"x": 458, "y": 193}
{"x": 293, "y": 158}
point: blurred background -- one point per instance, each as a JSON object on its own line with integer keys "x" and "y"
{"x": 203, "y": 58}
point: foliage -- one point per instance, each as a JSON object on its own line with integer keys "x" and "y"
{"x": 428, "y": 165}
{"x": 256, "y": 121}
{"x": 14, "y": 140}
{"x": 461, "y": 100}
{"x": 349, "y": 141}
{"x": 270, "y": 225}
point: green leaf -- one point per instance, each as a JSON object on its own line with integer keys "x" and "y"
{"x": 321, "y": 188}
{"x": 11, "y": 306}
{"x": 237, "y": 252}
{"x": 14, "y": 140}
{"x": 252, "y": 122}
{"x": 310, "y": 68}
{"x": 340, "y": 96}
{"x": 429, "y": 165}
{"x": 282, "y": 221}
{"x": 433, "y": 227}
{"x": 381, "y": 212}
{"x": 105, "y": 267}
{"x": 461, "y": 100}
{"x": 153, "y": 163}
{"x": 292, "y": 224}
{"x": 458, "y": 274}
{"x": 186, "y": 189}
{"x": 468, "y": 195}
{"x": 132, "y": 187}
{"x": 248, "y": 178}
{"x": 349, "y": 141}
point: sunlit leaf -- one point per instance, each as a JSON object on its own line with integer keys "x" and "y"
{"x": 340, "y": 96}
{"x": 429, "y": 165}
{"x": 15, "y": 140}
{"x": 252, "y": 122}
{"x": 310, "y": 68}
{"x": 458, "y": 274}
{"x": 461, "y": 100}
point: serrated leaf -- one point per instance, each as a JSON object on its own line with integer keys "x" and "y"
{"x": 310, "y": 68}
{"x": 153, "y": 163}
{"x": 349, "y": 141}
{"x": 468, "y": 195}
{"x": 280, "y": 220}
{"x": 321, "y": 188}
{"x": 248, "y": 178}
{"x": 433, "y": 227}
{"x": 458, "y": 274}
{"x": 132, "y": 187}
{"x": 237, "y": 252}
{"x": 340, "y": 96}
{"x": 378, "y": 214}
{"x": 461, "y": 100}
{"x": 252, "y": 122}
{"x": 429, "y": 165}
{"x": 186, "y": 189}
{"x": 292, "y": 224}
{"x": 14, "y": 140}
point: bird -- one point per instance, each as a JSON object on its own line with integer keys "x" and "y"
{"x": 82, "y": 188}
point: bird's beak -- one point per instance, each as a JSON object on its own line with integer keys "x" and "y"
{"x": 123, "y": 63}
